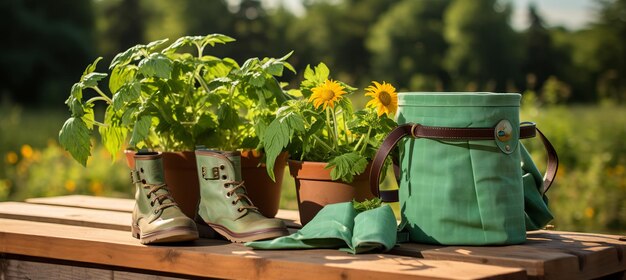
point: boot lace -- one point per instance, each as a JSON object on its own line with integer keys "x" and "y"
{"x": 153, "y": 189}
{"x": 240, "y": 195}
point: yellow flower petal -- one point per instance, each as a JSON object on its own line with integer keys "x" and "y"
{"x": 384, "y": 98}
{"x": 327, "y": 94}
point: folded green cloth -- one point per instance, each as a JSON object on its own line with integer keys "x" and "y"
{"x": 339, "y": 226}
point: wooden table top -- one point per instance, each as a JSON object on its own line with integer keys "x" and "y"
{"x": 96, "y": 230}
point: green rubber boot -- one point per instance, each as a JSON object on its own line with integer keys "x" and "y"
{"x": 156, "y": 217}
{"x": 224, "y": 205}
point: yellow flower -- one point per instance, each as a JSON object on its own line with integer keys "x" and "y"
{"x": 70, "y": 185}
{"x": 27, "y": 151}
{"x": 327, "y": 94}
{"x": 11, "y": 158}
{"x": 589, "y": 212}
{"x": 96, "y": 188}
{"x": 384, "y": 98}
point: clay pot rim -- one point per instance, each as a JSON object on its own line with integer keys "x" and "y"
{"x": 316, "y": 170}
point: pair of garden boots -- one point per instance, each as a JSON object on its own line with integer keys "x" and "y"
{"x": 224, "y": 205}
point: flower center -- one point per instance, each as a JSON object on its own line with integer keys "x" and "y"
{"x": 384, "y": 98}
{"x": 328, "y": 94}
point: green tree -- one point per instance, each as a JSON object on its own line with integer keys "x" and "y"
{"x": 484, "y": 51}
{"x": 43, "y": 47}
{"x": 539, "y": 58}
{"x": 408, "y": 47}
{"x": 611, "y": 52}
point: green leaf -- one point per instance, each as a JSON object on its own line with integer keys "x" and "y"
{"x": 155, "y": 44}
{"x": 346, "y": 166}
{"x": 121, "y": 76}
{"x": 156, "y": 65}
{"x": 140, "y": 130}
{"x": 92, "y": 79}
{"x": 227, "y": 116}
{"x": 216, "y": 38}
{"x": 277, "y": 136}
{"x": 126, "y": 94}
{"x": 257, "y": 80}
{"x": 75, "y": 138}
{"x": 368, "y": 204}
{"x": 294, "y": 121}
{"x": 127, "y": 56}
{"x": 91, "y": 67}
{"x": 114, "y": 134}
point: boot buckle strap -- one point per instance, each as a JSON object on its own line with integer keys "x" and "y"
{"x": 134, "y": 176}
{"x": 215, "y": 171}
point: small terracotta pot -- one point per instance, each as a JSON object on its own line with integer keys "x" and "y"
{"x": 315, "y": 188}
{"x": 263, "y": 192}
{"x": 181, "y": 177}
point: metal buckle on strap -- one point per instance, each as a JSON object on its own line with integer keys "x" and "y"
{"x": 215, "y": 172}
{"x": 414, "y": 129}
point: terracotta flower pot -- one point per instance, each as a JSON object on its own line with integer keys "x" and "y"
{"x": 181, "y": 177}
{"x": 315, "y": 188}
{"x": 263, "y": 192}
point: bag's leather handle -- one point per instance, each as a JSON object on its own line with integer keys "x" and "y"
{"x": 527, "y": 130}
{"x": 552, "y": 165}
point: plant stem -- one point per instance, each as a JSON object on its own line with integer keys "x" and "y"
{"x": 202, "y": 83}
{"x": 106, "y": 98}
{"x": 367, "y": 139}
{"x": 100, "y": 124}
{"x": 356, "y": 147}
{"x": 329, "y": 148}
{"x": 345, "y": 127}
{"x": 200, "y": 50}
{"x": 94, "y": 99}
{"x": 335, "y": 127}
{"x": 331, "y": 137}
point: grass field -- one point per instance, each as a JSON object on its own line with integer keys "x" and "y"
{"x": 588, "y": 195}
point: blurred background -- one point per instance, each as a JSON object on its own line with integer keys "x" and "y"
{"x": 567, "y": 58}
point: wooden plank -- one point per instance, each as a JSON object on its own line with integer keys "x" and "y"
{"x": 213, "y": 258}
{"x": 17, "y": 269}
{"x": 87, "y": 202}
{"x": 291, "y": 217}
{"x": 20, "y": 269}
{"x": 66, "y": 215}
{"x": 546, "y": 254}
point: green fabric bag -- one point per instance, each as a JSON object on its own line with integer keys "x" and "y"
{"x": 339, "y": 226}
{"x": 462, "y": 184}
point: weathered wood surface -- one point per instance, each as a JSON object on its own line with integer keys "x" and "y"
{"x": 214, "y": 258}
{"x": 27, "y": 270}
{"x": 546, "y": 255}
{"x": 291, "y": 218}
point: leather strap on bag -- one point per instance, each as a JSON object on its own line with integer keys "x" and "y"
{"x": 527, "y": 130}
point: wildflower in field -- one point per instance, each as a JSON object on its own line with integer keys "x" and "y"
{"x": 96, "y": 188}
{"x": 70, "y": 185}
{"x": 327, "y": 94}
{"x": 11, "y": 158}
{"x": 27, "y": 151}
{"x": 589, "y": 212}
{"x": 384, "y": 98}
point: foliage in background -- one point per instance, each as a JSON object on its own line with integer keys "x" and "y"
{"x": 590, "y": 187}
{"x": 32, "y": 164}
{"x": 451, "y": 45}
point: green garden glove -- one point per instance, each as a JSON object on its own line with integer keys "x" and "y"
{"x": 373, "y": 229}
{"x": 339, "y": 226}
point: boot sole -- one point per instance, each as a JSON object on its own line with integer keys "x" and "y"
{"x": 242, "y": 237}
{"x": 175, "y": 234}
